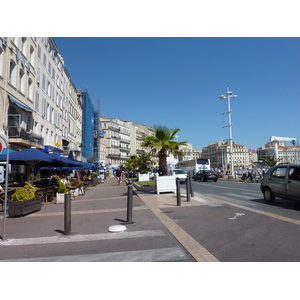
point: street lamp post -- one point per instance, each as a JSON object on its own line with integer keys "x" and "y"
{"x": 228, "y": 96}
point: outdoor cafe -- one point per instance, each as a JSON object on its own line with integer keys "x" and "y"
{"x": 46, "y": 173}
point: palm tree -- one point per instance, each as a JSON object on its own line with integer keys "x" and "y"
{"x": 269, "y": 160}
{"x": 144, "y": 163}
{"x": 131, "y": 163}
{"x": 141, "y": 163}
{"x": 162, "y": 144}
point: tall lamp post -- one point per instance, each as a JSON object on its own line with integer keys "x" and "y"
{"x": 228, "y": 96}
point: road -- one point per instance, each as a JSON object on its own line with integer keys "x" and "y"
{"x": 246, "y": 194}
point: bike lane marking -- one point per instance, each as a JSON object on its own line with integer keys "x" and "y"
{"x": 272, "y": 215}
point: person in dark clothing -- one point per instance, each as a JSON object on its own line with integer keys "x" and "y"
{"x": 119, "y": 173}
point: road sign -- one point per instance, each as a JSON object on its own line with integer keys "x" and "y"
{"x": 3, "y": 142}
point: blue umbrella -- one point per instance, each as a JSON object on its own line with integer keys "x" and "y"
{"x": 65, "y": 161}
{"x": 71, "y": 156}
{"x": 32, "y": 156}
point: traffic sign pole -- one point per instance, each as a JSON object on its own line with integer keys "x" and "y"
{"x": 4, "y": 140}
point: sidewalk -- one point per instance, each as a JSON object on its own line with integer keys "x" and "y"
{"x": 204, "y": 230}
{"x": 40, "y": 235}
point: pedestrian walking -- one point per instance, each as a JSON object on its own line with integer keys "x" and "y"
{"x": 119, "y": 173}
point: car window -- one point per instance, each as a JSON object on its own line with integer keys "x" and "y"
{"x": 179, "y": 172}
{"x": 294, "y": 173}
{"x": 278, "y": 173}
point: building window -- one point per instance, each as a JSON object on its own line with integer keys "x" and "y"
{"x": 32, "y": 61}
{"x": 12, "y": 73}
{"x": 48, "y": 88}
{"x": 30, "y": 89}
{"x": 1, "y": 61}
{"x": 45, "y": 61}
{"x": 37, "y": 100}
{"x": 24, "y": 45}
{"x": 39, "y": 52}
{"x": 21, "y": 81}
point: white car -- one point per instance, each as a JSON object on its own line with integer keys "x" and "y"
{"x": 179, "y": 173}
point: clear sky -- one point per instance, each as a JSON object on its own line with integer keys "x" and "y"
{"x": 177, "y": 82}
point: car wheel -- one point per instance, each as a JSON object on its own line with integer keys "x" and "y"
{"x": 268, "y": 195}
{"x": 215, "y": 180}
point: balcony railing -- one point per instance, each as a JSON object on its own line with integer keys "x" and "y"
{"x": 114, "y": 155}
{"x": 27, "y": 137}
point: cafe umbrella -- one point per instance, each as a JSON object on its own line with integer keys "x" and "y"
{"x": 32, "y": 157}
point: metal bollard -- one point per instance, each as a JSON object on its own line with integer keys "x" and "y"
{"x": 188, "y": 184}
{"x": 191, "y": 187}
{"x": 67, "y": 210}
{"x": 178, "y": 191}
{"x": 129, "y": 202}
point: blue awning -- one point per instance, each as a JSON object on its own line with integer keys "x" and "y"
{"x": 4, "y": 151}
{"x": 21, "y": 105}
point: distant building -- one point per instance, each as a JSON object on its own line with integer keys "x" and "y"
{"x": 288, "y": 154}
{"x": 117, "y": 141}
{"x": 219, "y": 155}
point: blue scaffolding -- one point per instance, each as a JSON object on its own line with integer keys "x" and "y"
{"x": 90, "y": 127}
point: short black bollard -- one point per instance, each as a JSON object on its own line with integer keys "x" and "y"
{"x": 188, "y": 185}
{"x": 129, "y": 202}
{"x": 178, "y": 191}
{"x": 191, "y": 187}
{"x": 67, "y": 210}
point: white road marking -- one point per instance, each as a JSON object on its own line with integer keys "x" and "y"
{"x": 152, "y": 255}
{"x": 81, "y": 238}
{"x": 236, "y": 215}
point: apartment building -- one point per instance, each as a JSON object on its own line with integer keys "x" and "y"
{"x": 220, "y": 157}
{"x": 74, "y": 121}
{"x": 51, "y": 102}
{"x": 18, "y": 66}
{"x": 117, "y": 141}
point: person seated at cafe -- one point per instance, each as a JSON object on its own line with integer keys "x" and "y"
{"x": 1, "y": 189}
{"x": 64, "y": 180}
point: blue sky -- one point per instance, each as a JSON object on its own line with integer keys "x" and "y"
{"x": 177, "y": 82}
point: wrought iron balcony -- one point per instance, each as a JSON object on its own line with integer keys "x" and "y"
{"x": 19, "y": 135}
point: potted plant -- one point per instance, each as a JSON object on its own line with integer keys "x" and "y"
{"x": 24, "y": 202}
{"x": 94, "y": 178}
{"x": 144, "y": 162}
{"x": 140, "y": 164}
{"x": 61, "y": 191}
{"x": 76, "y": 185}
{"x": 162, "y": 143}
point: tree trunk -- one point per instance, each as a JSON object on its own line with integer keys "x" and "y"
{"x": 163, "y": 171}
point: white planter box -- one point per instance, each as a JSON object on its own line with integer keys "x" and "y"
{"x": 76, "y": 193}
{"x": 60, "y": 198}
{"x": 165, "y": 184}
{"x": 143, "y": 177}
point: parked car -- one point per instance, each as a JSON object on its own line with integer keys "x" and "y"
{"x": 179, "y": 173}
{"x": 205, "y": 175}
{"x": 281, "y": 181}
